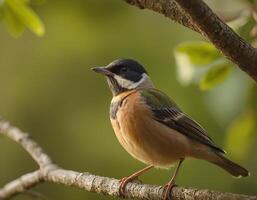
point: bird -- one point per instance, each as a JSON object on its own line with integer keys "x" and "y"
{"x": 152, "y": 128}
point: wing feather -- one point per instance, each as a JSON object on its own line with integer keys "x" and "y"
{"x": 167, "y": 112}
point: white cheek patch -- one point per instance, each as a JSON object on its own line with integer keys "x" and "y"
{"x": 145, "y": 80}
{"x": 123, "y": 82}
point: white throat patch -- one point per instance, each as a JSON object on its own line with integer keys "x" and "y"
{"x": 145, "y": 81}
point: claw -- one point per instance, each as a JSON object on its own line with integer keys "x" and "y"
{"x": 122, "y": 184}
{"x": 167, "y": 189}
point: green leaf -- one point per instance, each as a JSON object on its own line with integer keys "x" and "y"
{"x": 13, "y": 24}
{"x": 217, "y": 73}
{"x": 241, "y": 135}
{"x": 198, "y": 53}
{"x": 27, "y": 16}
{"x": 185, "y": 69}
{"x": 193, "y": 59}
{"x": 244, "y": 31}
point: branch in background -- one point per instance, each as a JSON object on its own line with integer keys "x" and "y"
{"x": 196, "y": 15}
{"x": 168, "y": 8}
{"x": 49, "y": 172}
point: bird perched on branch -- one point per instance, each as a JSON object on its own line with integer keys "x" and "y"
{"x": 152, "y": 128}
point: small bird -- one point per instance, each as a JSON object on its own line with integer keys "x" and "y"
{"x": 152, "y": 128}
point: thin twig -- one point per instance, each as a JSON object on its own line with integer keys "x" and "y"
{"x": 35, "y": 151}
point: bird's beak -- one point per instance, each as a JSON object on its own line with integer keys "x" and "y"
{"x": 102, "y": 70}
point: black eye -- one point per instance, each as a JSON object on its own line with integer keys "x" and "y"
{"x": 124, "y": 69}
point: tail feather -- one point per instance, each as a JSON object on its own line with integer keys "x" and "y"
{"x": 231, "y": 167}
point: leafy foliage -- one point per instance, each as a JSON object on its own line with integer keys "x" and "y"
{"x": 241, "y": 134}
{"x": 199, "y": 53}
{"x": 217, "y": 73}
{"x": 190, "y": 56}
{"x": 17, "y": 15}
{"x": 201, "y": 63}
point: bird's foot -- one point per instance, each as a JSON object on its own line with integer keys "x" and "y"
{"x": 167, "y": 189}
{"x": 122, "y": 184}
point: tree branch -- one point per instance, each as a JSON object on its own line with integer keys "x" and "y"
{"x": 196, "y": 15}
{"x": 35, "y": 151}
{"x": 169, "y": 9}
{"x": 21, "y": 185}
{"x": 49, "y": 172}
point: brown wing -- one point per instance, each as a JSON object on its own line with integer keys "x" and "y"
{"x": 176, "y": 119}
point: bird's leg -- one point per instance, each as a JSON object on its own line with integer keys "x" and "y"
{"x": 171, "y": 184}
{"x": 125, "y": 180}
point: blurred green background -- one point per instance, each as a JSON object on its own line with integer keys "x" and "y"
{"x": 48, "y": 90}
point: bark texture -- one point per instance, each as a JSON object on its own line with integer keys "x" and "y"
{"x": 50, "y": 172}
{"x": 196, "y": 14}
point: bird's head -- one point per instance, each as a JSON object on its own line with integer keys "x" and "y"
{"x": 125, "y": 74}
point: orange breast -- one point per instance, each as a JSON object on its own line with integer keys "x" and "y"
{"x": 144, "y": 138}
